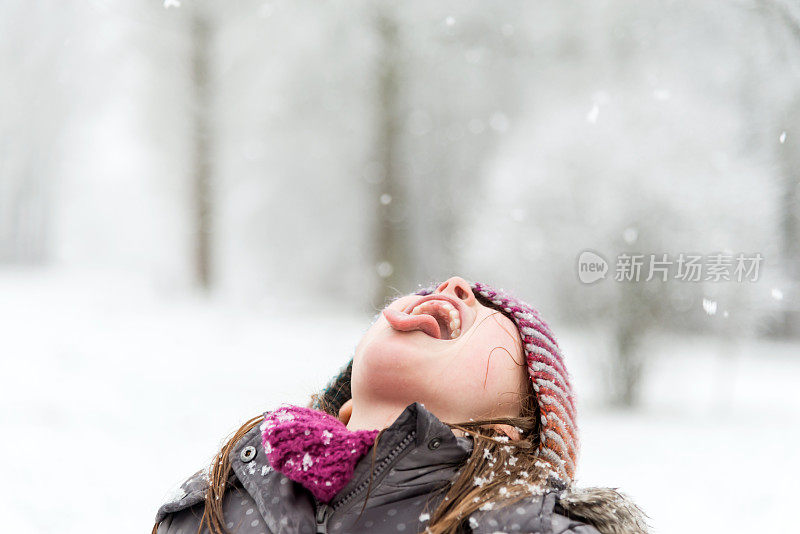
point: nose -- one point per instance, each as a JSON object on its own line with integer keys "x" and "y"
{"x": 459, "y": 288}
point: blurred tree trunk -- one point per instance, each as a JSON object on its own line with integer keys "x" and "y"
{"x": 201, "y": 165}
{"x": 23, "y": 213}
{"x": 36, "y": 99}
{"x": 789, "y": 161}
{"x": 627, "y": 360}
{"x": 392, "y": 247}
{"x": 788, "y": 153}
{"x": 789, "y": 156}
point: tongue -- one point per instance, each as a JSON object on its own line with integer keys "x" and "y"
{"x": 408, "y": 323}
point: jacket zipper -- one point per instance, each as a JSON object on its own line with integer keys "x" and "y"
{"x": 322, "y": 515}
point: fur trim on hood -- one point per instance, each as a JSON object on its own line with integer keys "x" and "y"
{"x": 606, "y": 509}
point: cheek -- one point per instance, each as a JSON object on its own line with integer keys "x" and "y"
{"x": 495, "y": 361}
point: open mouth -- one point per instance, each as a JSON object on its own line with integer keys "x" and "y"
{"x": 437, "y": 317}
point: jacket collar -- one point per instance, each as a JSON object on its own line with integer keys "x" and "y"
{"x": 418, "y": 454}
{"x": 429, "y": 440}
{"x": 417, "y": 442}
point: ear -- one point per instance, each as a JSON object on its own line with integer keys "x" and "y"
{"x": 511, "y": 432}
{"x": 346, "y": 411}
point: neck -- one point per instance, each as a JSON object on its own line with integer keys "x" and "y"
{"x": 374, "y": 417}
{"x": 379, "y": 416}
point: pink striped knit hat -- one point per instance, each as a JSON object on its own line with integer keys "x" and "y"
{"x": 558, "y": 432}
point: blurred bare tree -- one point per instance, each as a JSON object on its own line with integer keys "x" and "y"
{"x": 202, "y": 190}
{"x": 780, "y": 16}
{"x": 392, "y": 248}
{"x": 35, "y": 101}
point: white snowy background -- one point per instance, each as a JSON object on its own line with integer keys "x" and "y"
{"x": 352, "y": 150}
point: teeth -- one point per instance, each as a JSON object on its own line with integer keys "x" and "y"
{"x": 452, "y": 312}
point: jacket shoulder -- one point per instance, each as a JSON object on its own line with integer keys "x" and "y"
{"x": 186, "y": 503}
{"x": 608, "y": 510}
{"x": 188, "y": 494}
{"x": 569, "y": 511}
{"x": 238, "y": 512}
{"x": 536, "y": 513}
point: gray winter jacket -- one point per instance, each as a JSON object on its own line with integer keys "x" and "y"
{"x": 416, "y": 457}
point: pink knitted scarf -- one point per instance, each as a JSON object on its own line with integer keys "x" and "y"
{"x": 314, "y": 448}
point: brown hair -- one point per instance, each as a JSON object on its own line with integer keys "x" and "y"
{"x": 500, "y": 471}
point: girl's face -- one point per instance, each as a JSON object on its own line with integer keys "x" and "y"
{"x": 445, "y": 350}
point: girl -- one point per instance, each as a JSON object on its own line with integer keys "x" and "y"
{"x": 456, "y": 414}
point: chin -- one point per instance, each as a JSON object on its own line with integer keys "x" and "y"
{"x": 391, "y": 363}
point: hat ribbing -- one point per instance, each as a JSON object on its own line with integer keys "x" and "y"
{"x": 558, "y": 432}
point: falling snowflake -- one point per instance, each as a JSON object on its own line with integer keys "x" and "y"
{"x": 777, "y": 294}
{"x": 498, "y": 121}
{"x": 473, "y": 523}
{"x": 591, "y": 117}
{"x": 172, "y": 3}
{"x": 385, "y": 199}
{"x": 710, "y": 306}
{"x": 630, "y": 235}
{"x": 661, "y": 94}
{"x": 385, "y": 269}
{"x": 450, "y": 21}
{"x": 782, "y": 137}
{"x": 424, "y": 517}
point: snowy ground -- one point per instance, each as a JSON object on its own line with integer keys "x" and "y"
{"x": 111, "y": 396}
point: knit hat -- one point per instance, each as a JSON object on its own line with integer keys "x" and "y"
{"x": 558, "y": 432}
